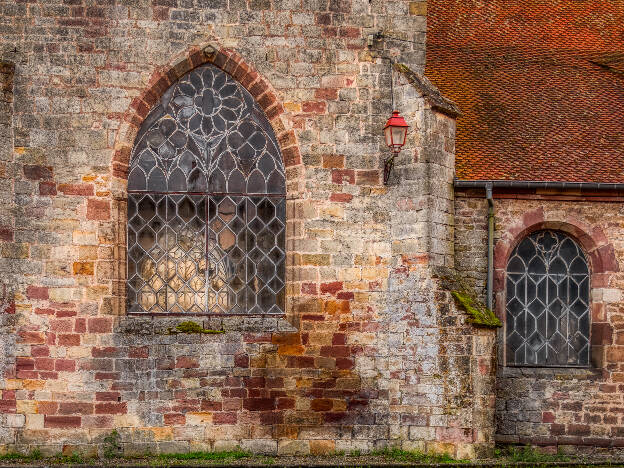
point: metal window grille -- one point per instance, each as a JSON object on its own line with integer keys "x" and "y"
{"x": 206, "y": 203}
{"x": 547, "y": 306}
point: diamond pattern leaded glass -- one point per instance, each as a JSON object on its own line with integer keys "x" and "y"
{"x": 547, "y": 318}
{"x": 206, "y": 203}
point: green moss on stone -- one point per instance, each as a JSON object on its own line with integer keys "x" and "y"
{"x": 193, "y": 327}
{"x": 479, "y": 314}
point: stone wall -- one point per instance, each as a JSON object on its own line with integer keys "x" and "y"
{"x": 371, "y": 351}
{"x": 576, "y": 409}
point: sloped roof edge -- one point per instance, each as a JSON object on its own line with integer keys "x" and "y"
{"x": 431, "y": 94}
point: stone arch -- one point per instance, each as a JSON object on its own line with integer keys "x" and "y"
{"x": 599, "y": 251}
{"x": 228, "y": 61}
{"x": 161, "y": 79}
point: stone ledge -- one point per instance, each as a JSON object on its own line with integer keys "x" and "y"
{"x": 158, "y": 325}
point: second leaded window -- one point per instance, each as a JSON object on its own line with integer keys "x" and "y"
{"x": 547, "y": 317}
{"x": 206, "y": 203}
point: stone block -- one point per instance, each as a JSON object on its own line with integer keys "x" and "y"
{"x": 259, "y": 446}
{"x": 293, "y": 447}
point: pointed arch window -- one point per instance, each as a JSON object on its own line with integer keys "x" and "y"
{"x": 206, "y": 203}
{"x": 547, "y": 305}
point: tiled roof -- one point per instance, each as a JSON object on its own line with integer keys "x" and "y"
{"x": 540, "y": 84}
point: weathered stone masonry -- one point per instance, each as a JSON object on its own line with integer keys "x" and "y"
{"x": 371, "y": 351}
{"x": 576, "y": 409}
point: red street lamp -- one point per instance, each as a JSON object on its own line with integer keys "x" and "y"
{"x": 395, "y": 133}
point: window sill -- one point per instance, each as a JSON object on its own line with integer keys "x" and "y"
{"x": 551, "y": 373}
{"x": 165, "y": 324}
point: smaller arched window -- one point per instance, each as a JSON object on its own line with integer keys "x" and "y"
{"x": 547, "y": 305}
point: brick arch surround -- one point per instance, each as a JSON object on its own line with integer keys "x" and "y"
{"x": 228, "y": 61}
{"x": 161, "y": 79}
{"x": 601, "y": 256}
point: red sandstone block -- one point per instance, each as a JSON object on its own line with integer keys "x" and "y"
{"x": 107, "y": 396}
{"x": 344, "y": 363}
{"x": 607, "y": 388}
{"x": 8, "y": 394}
{"x": 43, "y": 363}
{"x": 578, "y": 429}
{"x": 37, "y": 351}
{"x": 108, "y": 351}
{"x": 208, "y": 405}
{"x": 69, "y": 340}
{"x": 47, "y": 375}
{"x": 241, "y": 360}
{"x": 140, "y": 352}
{"x": 40, "y": 311}
{"x": 254, "y": 382}
{"x": 308, "y": 288}
{"x": 80, "y": 326}
{"x": 99, "y": 422}
{"x": 334, "y": 417}
{"x": 76, "y": 189}
{"x": 186, "y": 362}
{"x": 32, "y": 337}
{"x": 291, "y": 156}
{"x": 331, "y": 288}
{"x": 65, "y": 313}
{"x": 339, "y": 176}
{"x": 74, "y": 407}
{"x": 259, "y": 404}
{"x": 37, "y": 292}
{"x": 66, "y": 326}
{"x": 224, "y": 418}
{"x": 335, "y": 351}
{"x": 100, "y": 325}
{"x": 300, "y": 361}
{"x": 327, "y": 94}
{"x": 285, "y": 403}
{"x": 313, "y": 317}
{"x": 345, "y": 296}
{"x": 602, "y": 333}
{"x": 61, "y": 422}
{"x": 111, "y": 408}
{"x": 8, "y": 406}
{"x": 47, "y": 407}
{"x": 548, "y": 417}
{"x": 6, "y": 234}
{"x": 350, "y": 32}
{"x": 36, "y": 172}
{"x": 27, "y": 374}
{"x": 339, "y": 339}
{"x": 107, "y": 376}
{"x": 65, "y": 365}
{"x": 98, "y": 209}
{"x": 314, "y": 107}
{"x": 341, "y": 197}
{"x": 24, "y": 363}
{"x": 174, "y": 419}
{"x": 47, "y": 188}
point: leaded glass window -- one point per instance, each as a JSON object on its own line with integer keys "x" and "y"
{"x": 547, "y": 318}
{"x": 206, "y": 203}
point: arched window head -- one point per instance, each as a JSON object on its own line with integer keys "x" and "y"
{"x": 547, "y": 290}
{"x": 206, "y": 203}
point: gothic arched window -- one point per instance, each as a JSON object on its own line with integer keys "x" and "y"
{"x": 547, "y": 321}
{"x": 206, "y": 203}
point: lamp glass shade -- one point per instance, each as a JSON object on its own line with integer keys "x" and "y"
{"x": 395, "y": 131}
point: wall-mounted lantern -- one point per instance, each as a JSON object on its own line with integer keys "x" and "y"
{"x": 395, "y": 133}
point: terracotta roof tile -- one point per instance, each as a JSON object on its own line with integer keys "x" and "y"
{"x": 540, "y": 84}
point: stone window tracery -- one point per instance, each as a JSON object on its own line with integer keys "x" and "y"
{"x": 206, "y": 203}
{"x": 547, "y": 302}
